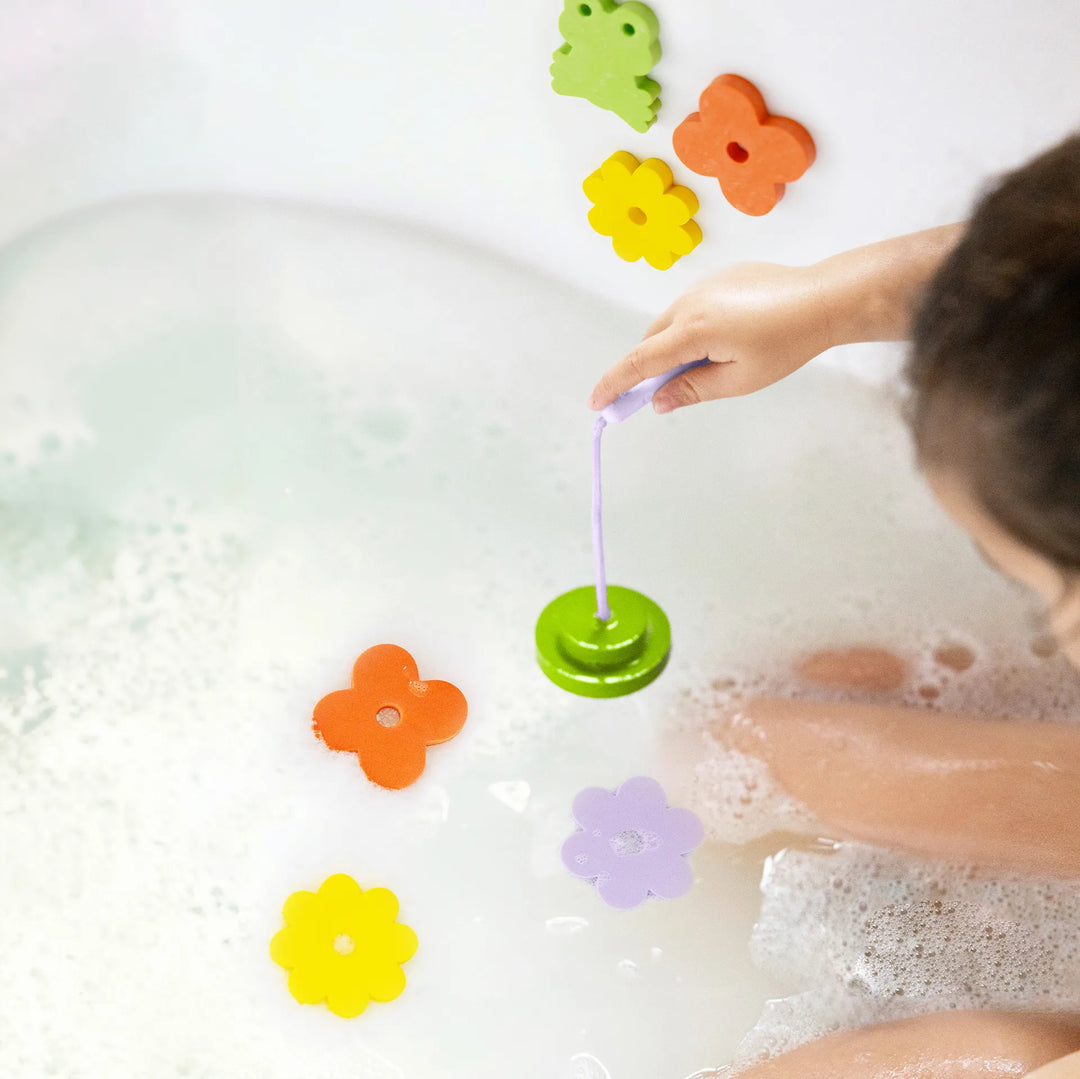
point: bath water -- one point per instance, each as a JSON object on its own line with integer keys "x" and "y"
{"x": 241, "y": 442}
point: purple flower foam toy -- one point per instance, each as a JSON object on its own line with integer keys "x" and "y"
{"x": 632, "y": 844}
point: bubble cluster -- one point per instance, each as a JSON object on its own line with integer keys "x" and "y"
{"x": 866, "y": 935}
{"x": 738, "y": 800}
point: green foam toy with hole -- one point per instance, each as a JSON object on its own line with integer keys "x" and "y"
{"x": 606, "y": 57}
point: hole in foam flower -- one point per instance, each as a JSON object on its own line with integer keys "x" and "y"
{"x": 388, "y": 716}
{"x": 738, "y": 154}
{"x": 584, "y": 9}
{"x": 637, "y": 215}
{"x": 344, "y": 944}
{"x": 630, "y": 841}
{"x": 628, "y": 29}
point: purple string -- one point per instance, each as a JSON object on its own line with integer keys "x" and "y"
{"x": 603, "y": 612}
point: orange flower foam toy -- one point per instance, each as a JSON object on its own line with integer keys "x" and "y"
{"x": 389, "y": 717}
{"x": 751, "y": 153}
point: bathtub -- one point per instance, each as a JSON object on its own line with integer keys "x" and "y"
{"x": 299, "y": 312}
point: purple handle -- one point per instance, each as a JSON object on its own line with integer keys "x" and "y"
{"x": 637, "y": 397}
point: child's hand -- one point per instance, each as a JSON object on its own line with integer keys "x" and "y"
{"x": 756, "y": 322}
{"x": 759, "y": 322}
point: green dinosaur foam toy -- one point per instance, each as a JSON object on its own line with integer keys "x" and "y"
{"x": 608, "y": 52}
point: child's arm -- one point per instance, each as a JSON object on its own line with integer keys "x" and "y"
{"x": 759, "y": 322}
{"x": 999, "y": 793}
{"x": 947, "y": 1045}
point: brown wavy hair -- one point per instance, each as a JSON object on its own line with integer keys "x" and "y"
{"x": 994, "y": 366}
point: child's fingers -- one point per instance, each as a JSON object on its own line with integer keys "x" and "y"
{"x": 661, "y": 323}
{"x": 653, "y": 356}
{"x": 719, "y": 379}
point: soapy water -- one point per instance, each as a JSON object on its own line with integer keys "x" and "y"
{"x": 869, "y": 936}
{"x": 240, "y": 443}
{"x": 858, "y": 934}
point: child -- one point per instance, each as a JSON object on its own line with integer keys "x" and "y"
{"x": 993, "y": 312}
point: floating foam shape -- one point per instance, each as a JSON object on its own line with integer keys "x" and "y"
{"x": 641, "y": 208}
{"x": 608, "y": 52}
{"x": 389, "y": 716}
{"x": 734, "y": 138}
{"x": 343, "y": 946}
{"x": 632, "y": 844}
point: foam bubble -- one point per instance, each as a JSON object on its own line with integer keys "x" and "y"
{"x": 513, "y": 793}
{"x": 737, "y": 798}
{"x": 565, "y": 925}
{"x": 586, "y": 1066}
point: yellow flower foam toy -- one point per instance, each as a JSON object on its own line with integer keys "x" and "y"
{"x": 343, "y": 945}
{"x": 641, "y": 208}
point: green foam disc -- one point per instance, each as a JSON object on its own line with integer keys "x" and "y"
{"x": 580, "y": 653}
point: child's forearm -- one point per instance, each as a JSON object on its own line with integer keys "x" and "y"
{"x": 999, "y": 793}
{"x": 873, "y": 291}
{"x": 758, "y": 322}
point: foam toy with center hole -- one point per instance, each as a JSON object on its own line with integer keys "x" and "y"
{"x": 608, "y": 52}
{"x": 734, "y": 138}
{"x": 389, "y": 717}
{"x": 343, "y": 946}
{"x": 632, "y": 844}
{"x": 646, "y": 214}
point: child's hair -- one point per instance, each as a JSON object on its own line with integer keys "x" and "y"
{"x": 994, "y": 368}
